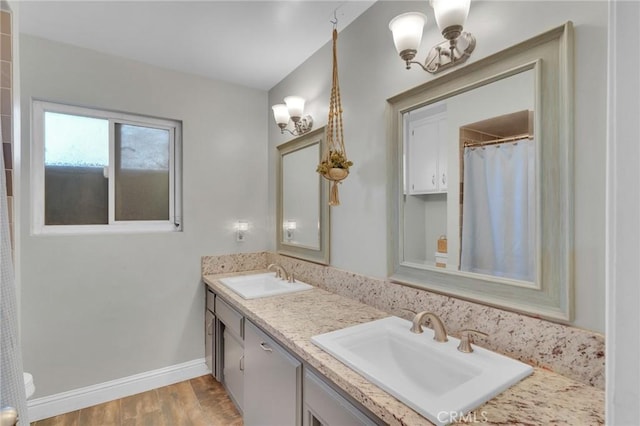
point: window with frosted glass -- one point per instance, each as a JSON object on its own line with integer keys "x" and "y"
{"x": 141, "y": 173}
{"x": 98, "y": 170}
{"x": 76, "y": 154}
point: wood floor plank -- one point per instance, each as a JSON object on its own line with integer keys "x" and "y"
{"x": 172, "y": 405}
{"x": 68, "y": 419}
{"x": 140, "y": 404}
{"x": 154, "y": 418}
{"x": 215, "y": 403}
{"x": 107, "y": 414}
{"x": 190, "y": 404}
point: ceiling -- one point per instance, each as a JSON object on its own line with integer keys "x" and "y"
{"x": 250, "y": 43}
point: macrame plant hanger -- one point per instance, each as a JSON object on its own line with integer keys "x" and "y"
{"x": 334, "y": 165}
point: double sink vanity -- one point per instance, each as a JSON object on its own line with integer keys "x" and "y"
{"x": 321, "y": 353}
{"x": 291, "y": 353}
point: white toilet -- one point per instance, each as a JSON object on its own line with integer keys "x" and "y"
{"x": 9, "y": 415}
{"x": 29, "y": 387}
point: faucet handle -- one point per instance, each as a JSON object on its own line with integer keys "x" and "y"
{"x": 466, "y": 339}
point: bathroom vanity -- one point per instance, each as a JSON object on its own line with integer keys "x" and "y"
{"x": 264, "y": 379}
{"x": 319, "y": 389}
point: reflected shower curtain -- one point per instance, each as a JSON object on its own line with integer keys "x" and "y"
{"x": 12, "y": 392}
{"x": 498, "y": 215}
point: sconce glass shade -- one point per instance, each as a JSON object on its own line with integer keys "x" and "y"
{"x": 407, "y": 31}
{"x": 280, "y": 114}
{"x": 295, "y": 105}
{"x": 290, "y": 225}
{"x": 450, "y": 13}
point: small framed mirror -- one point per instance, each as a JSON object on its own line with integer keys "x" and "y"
{"x": 303, "y": 221}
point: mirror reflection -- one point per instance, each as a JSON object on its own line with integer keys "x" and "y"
{"x": 300, "y": 198}
{"x": 469, "y": 180}
{"x": 302, "y": 229}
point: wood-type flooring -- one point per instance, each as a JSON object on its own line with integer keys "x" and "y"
{"x": 197, "y": 402}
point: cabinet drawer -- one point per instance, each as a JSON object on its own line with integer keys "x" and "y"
{"x": 230, "y": 317}
{"x": 211, "y": 297}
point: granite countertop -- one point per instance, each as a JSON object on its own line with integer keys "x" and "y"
{"x": 540, "y": 399}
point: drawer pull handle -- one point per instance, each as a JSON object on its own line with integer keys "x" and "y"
{"x": 265, "y": 348}
{"x": 242, "y": 363}
{"x": 210, "y": 328}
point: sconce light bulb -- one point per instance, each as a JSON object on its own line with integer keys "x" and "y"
{"x": 295, "y": 107}
{"x": 281, "y": 115}
{"x": 407, "y": 31}
{"x": 451, "y": 16}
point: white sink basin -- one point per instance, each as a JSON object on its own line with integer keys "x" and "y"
{"x": 262, "y": 285}
{"x": 433, "y": 378}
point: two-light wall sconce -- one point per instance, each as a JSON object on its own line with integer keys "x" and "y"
{"x": 292, "y": 110}
{"x": 450, "y": 16}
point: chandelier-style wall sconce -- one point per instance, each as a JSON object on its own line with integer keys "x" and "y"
{"x": 292, "y": 110}
{"x": 450, "y": 15}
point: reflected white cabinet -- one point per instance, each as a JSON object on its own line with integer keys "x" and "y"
{"x": 273, "y": 387}
{"x": 426, "y": 150}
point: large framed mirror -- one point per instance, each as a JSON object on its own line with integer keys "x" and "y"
{"x": 480, "y": 188}
{"x": 303, "y": 222}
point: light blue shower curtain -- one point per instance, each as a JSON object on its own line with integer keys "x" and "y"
{"x": 12, "y": 391}
{"x": 498, "y": 215}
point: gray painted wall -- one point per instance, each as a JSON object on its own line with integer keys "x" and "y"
{"x": 102, "y": 307}
{"x": 371, "y": 71}
{"x": 623, "y": 210}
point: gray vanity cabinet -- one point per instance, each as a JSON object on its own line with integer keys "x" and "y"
{"x": 265, "y": 380}
{"x": 273, "y": 382}
{"x": 323, "y": 406}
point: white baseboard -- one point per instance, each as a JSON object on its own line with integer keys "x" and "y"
{"x": 53, "y": 405}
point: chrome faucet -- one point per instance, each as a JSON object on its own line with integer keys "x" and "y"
{"x": 281, "y": 272}
{"x": 439, "y": 331}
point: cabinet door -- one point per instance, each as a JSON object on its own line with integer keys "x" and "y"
{"x": 233, "y": 368}
{"x": 423, "y": 156}
{"x": 209, "y": 339}
{"x": 325, "y": 407}
{"x": 427, "y": 154}
{"x": 272, "y": 382}
{"x": 442, "y": 155}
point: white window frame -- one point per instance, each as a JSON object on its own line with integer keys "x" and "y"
{"x": 38, "y": 172}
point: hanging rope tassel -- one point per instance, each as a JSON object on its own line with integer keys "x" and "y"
{"x": 334, "y": 199}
